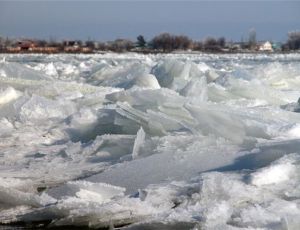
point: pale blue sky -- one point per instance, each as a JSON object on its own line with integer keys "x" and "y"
{"x": 108, "y": 20}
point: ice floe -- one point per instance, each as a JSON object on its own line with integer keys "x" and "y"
{"x": 173, "y": 141}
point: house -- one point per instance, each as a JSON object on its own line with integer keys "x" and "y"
{"x": 47, "y": 49}
{"x": 266, "y": 46}
{"x": 86, "y": 50}
{"x": 71, "y": 49}
{"x": 276, "y": 46}
{"x": 70, "y": 43}
{"x": 26, "y": 45}
{"x": 71, "y": 46}
{"x": 13, "y": 49}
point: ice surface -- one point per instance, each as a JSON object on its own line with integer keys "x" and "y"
{"x": 174, "y": 141}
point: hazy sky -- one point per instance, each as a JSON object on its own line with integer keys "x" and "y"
{"x": 108, "y": 20}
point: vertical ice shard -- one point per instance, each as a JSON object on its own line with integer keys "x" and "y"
{"x": 139, "y": 140}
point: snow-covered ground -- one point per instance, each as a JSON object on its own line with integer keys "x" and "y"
{"x": 186, "y": 141}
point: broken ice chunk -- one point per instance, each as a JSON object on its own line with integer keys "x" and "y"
{"x": 280, "y": 171}
{"x": 139, "y": 140}
{"x": 147, "y": 81}
{"x": 8, "y": 95}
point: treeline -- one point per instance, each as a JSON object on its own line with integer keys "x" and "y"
{"x": 293, "y": 42}
{"x": 164, "y": 42}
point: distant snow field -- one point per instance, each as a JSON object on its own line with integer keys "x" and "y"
{"x": 174, "y": 141}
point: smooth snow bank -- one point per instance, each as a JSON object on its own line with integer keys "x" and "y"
{"x": 186, "y": 141}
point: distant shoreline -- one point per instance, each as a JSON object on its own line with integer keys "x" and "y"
{"x": 157, "y": 52}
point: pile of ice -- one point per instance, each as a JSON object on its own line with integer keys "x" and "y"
{"x": 157, "y": 141}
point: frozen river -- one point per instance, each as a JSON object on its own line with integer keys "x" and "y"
{"x": 186, "y": 141}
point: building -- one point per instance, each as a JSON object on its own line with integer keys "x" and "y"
{"x": 276, "y": 46}
{"x": 266, "y": 46}
{"x": 86, "y": 50}
{"x": 47, "y": 49}
{"x": 71, "y": 46}
{"x": 11, "y": 49}
{"x": 26, "y": 45}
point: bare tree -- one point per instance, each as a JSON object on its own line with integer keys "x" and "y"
{"x": 198, "y": 45}
{"x": 2, "y": 43}
{"x": 252, "y": 38}
{"x": 211, "y": 44}
{"x": 9, "y": 42}
{"x": 78, "y": 42}
{"x": 221, "y": 42}
{"x": 90, "y": 44}
{"x": 121, "y": 45}
{"x": 102, "y": 46}
{"x": 41, "y": 43}
{"x": 141, "y": 42}
{"x": 293, "y": 42}
{"x": 162, "y": 41}
{"x": 181, "y": 42}
{"x": 168, "y": 42}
